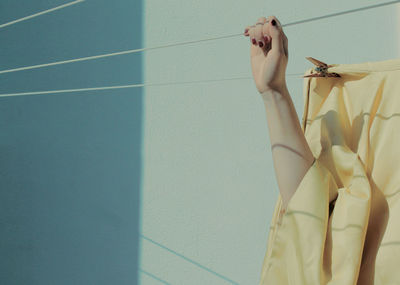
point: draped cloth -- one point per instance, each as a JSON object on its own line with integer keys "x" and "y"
{"x": 340, "y": 226}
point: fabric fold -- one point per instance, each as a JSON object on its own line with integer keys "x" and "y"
{"x": 332, "y": 229}
{"x": 307, "y": 209}
{"x": 311, "y": 238}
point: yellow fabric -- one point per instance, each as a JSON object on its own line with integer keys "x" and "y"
{"x": 341, "y": 225}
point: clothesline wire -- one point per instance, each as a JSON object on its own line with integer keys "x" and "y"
{"x": 164, "y": 46}
{"x": 122, "y": 86}
{"x": 187, "y": 42}
{"x": 40, "y": 13}
{"x": 341, "y": 13}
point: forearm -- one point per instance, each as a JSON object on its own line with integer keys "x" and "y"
{"x": 290, "y": 151}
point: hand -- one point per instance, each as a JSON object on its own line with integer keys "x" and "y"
{"x": 268, "y": 61}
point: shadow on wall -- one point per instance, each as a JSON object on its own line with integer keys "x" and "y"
{"x": 70, "y": 165}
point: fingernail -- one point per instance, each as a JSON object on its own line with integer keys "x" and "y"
{"x": 266, "y": 39}
{"x": 246, "y": 30}
{"x": 273, "y": 22}
{"x": 254, "y": 41}
{"x": 260, "y": 44}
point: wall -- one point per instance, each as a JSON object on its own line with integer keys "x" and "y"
{"x": 209, "y": 183}
{"x": 176, "y": 187}
{"x": 70, "y": 163}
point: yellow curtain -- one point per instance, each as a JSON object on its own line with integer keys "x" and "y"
{"x": 340, "y": 226}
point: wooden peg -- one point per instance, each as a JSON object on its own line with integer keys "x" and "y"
{"x": 320, "y": 69}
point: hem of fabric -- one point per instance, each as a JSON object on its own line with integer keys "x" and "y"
{"x": 367, "y": 67}
{"x": 363, "y": 67}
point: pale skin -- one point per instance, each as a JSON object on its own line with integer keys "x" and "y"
{"x": 291, "y": 153}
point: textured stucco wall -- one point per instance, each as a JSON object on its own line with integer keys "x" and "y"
{"x": 70, "y": 163}
{"x": 209, "y": 183}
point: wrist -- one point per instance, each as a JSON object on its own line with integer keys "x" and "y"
{"x": 275, "y": 93}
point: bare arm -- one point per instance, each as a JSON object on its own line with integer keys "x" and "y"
{"x": 269, "y": 56}
{"x": 290, "y": 151}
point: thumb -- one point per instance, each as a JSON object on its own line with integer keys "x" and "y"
{"x": 276, "y": 35}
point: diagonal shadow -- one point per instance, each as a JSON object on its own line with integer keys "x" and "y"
{"x": 190, "y": 260}
{"x": 154, "y": 276}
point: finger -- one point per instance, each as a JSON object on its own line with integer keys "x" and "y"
{"x": 258, "y": 33}
{"x": 276, "y": 34}
{"x": 246, "y": 31}
{"x": 266, "y": 35}
{"x": 252, "y": 36}
{"x": 285, "y": 45}
{"x": 285, "y": 41}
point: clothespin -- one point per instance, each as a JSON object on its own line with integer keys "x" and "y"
{"x": 320, "y": 69}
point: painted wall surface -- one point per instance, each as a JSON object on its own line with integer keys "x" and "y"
{"x": 209, "y": 182}
{"x": 70, "y": 163}
{"x": 161, "y": 184}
